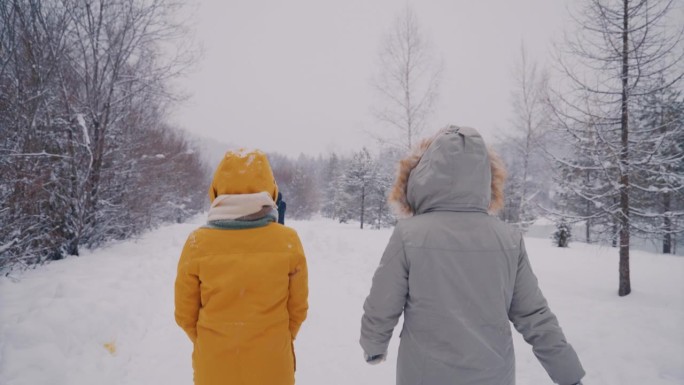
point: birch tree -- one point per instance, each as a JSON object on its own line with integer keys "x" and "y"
{"x": 525, "y": 141}
{"x": 406, "y": 82}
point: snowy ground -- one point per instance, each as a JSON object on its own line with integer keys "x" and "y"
{"x": 55, "y": 321}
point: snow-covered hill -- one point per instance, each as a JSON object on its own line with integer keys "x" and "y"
{"x": 107, "y": 317}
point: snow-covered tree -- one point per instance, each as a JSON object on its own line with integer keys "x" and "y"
{"x": 298, "y": 181}
{"x": 358, "y": 181}
{"x": 305, "y": 198}
{"x": 383, "y": 178}
{"x": 83, "y": 92}
{"x": 619, "y": 51}
{"x": 581, "y": 190}
{"x": 659, "y": 178}
{"x": 329, "y": 183}
{"x": 406, "y": 82}
{"x": 563, "y": 233}
{"x": 523, "y": 146}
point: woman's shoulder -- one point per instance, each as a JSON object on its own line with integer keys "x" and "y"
{"x": 270, "y": 238}
{"x": 282, "y": 230}
{"x": 463, "y": 222}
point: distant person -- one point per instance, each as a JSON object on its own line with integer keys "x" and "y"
{"x": 282, "y": 207}
{"x": 241, "y": 290}
{"x": 459, "y": 275}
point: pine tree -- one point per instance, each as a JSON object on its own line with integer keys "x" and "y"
{"x": 383, "y": 178}
{"x": 358, "y": 181}
{"x": 659, "y": 182}
{"x": 304, "y": 199}
{"x": 331, "y": 174}
{"x": 617, "y": 53}
{"x": 563, "y": 233}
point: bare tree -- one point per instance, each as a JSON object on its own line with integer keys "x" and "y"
{"x": 525, "y": 141}
{"x": 614, "y": 59}
{"x": 116, "y": 60}
{"x": 407, "y": 81}
{"x": 30, "y": 130}
{"x": 83, "y": 95}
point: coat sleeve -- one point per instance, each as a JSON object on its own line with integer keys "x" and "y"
{"x": 532, "y": 317}
{"x": 187, "y": 291}
{"x": 387, "y": 298}
{"x": 297, "y": 303}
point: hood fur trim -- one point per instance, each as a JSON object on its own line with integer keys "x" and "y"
{"x": 498, "y": 182}
{"x": 397, "y": 197}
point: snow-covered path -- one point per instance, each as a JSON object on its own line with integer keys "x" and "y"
{"x": 56, "y": 322}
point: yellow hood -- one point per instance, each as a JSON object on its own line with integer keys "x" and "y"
{"x": 243, "y": 172}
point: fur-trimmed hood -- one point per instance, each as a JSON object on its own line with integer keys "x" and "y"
{"x": 451, "y": 171}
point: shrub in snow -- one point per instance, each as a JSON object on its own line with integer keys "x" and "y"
{"x": 562, "y": 235}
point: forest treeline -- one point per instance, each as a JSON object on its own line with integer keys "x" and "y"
{"x": 86, "y": 153}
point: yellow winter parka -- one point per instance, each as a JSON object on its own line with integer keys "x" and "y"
{"x": 241, "y": 294}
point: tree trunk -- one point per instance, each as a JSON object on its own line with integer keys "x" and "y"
{"x": 363, "y": 203}
{"x": 526, "y": 165}
{"x": 615, "y": 232}
{"x": 667, "y": 223}
{"x": 587, "y": 231}
{"x": 72, "y": 247}
{"x": 523, "y": 192}
{"x": 587, "y": 213}
{"x": 624, "y": 281}
{"x": 381, "y": 211}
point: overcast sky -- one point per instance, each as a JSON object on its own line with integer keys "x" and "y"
{"x": 294, "y": 76}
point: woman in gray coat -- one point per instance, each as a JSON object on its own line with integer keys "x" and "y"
{"x": 459, "y": 275}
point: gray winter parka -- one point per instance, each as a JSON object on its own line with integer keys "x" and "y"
{"x": 460, "y": 276}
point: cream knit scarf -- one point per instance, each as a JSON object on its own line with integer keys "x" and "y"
{"x": 241, "y": 207}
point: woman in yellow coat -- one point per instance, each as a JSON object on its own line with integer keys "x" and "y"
{"x": 241, "y": 289}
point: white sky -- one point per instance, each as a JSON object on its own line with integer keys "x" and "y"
{"x": 294, "y": 76}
